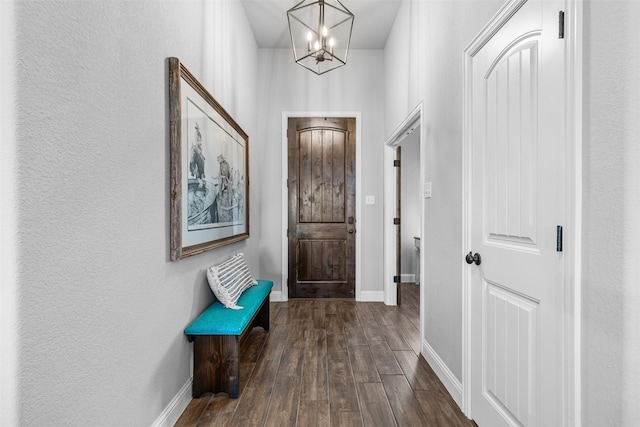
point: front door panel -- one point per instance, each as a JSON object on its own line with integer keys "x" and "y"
{"x": 321, "y": 208}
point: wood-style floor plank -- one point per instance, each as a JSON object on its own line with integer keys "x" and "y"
{"x": 376, "y": 410}
{"x": 341, "y": 387}
{"x": 417, "y": 371}
{"x": 314, "y": 379}
{"x": 384, "y": 359}
{"x": 346, "y": 419}
{"x": 362, "y": 364}
{"x": 333, "y": 363}
{"x": 439, "y": 411}
{"x": 336, "y": 347}
{"x": 313, "y": 413}
{"x": 253, "y": 405}
{"x": 283, "y": 406}
{"x": 405, "y": 406}
{"x": 193, "y": 412}
{"x": 395, "y": 338}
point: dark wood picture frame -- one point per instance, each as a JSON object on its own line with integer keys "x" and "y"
{"x": 209, "y": 182}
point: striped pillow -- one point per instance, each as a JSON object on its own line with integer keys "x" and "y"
{"x": 229, "y": 280}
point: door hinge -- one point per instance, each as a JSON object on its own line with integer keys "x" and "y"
{"x": 396, "y": 221}
{"x": 559, "y": 238}
{"x": 396, "y": 279}
{"x": 561, "y": 24}
{"x": 396, "y": 163}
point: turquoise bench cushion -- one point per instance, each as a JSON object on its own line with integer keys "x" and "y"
{"x": 219, "y": 320}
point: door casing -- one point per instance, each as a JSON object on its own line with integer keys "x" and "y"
{"x": 573, "y": 206}
{"x": 283, "y": 296}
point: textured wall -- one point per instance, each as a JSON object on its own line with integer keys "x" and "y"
{"x": 101, "y": 309}
{"x": 611, "y": 205}
{"x": 286, "y": 86}
{"x": 424, "y": 62}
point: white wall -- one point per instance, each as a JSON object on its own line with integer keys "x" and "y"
{"x": 423, "y": 61}
{"x": 611, "y": 210}
{"x": 100, "y": 308}
{"x": 286, "y": 86}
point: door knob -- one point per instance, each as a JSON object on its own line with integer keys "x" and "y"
{"x": 473, "y": 258}
{"x": 351, "y": 231}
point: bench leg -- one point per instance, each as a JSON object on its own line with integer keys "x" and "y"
{"x": 215, "y": 365}
{"x": 262, "y": 317}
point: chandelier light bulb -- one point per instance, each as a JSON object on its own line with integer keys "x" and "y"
{"x": 325, "y": 31}
{"x": 317, "y": 45}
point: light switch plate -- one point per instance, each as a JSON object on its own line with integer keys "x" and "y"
{"x": 427, "y": 190}
{"x": 370, "y": 200}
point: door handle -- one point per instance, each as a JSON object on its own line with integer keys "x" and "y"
{"x": 351, "y": 231}
{"x": 473, "y": 258}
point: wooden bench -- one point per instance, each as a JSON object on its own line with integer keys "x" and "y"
{"x": 217, "y": 334}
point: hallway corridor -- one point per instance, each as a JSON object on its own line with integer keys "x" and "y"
{"x": 334, "y": 363}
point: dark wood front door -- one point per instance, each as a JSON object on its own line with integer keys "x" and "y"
{"x": 321, "y": 228}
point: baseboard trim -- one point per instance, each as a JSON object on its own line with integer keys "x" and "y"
{"x": 176, "y": 407}
{"x": 371, "y": 296}
{"x": 408, "y": 278}
{"x": 451, "y": 383}
{"x": 277, "y": 296}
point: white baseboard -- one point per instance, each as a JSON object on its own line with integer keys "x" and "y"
{"x": 371, "y": 296}
{"x": 451, "y": 383}
{"x": 176, "y": 407}
{"x": 277, "y": 296}
{"x": 408, "y": 278}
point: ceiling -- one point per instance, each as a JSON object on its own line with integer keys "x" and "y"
{"x": 371, "y": 27}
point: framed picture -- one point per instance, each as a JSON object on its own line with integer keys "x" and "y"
{"x": 209, "y": 169}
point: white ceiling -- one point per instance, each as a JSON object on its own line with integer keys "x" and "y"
{"x": 371, "y": 26}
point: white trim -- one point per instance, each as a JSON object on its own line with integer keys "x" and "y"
{"x": 176, "y": 407}
{"x": 448, "y": 379}
{"x": 10, "y": 244}
{"x": 408, "y": 278}
{"x": 285, "y": 194}
{"x": 405, "y": 128}
{"x": 573, "y": 217}
{"x": 277, "y": 296}
{"x": 572, "y": 393}
{"x": 372, "y": 296}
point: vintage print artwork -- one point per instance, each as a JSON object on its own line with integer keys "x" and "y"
{"x": 216, "y": 174}
{"x": 209, "y": 191}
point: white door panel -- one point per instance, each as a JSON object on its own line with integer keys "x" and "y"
{"x": 517, "y": 190}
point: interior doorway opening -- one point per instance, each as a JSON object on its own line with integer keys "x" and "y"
{"x": 407, "y": 140}
{"x": 410, "y": 203}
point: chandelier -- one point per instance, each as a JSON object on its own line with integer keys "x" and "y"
{"x": 320, "y": 34}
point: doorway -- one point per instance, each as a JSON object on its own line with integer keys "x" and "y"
{"x": 410, "y": 214}
{"x": 321, "y": 225}
{"x": 409, "y": 132}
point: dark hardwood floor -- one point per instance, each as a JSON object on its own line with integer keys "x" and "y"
{"x": 334, "y": 363}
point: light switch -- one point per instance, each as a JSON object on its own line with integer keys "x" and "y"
{"x": 427, "y": 190}
{"x": 370, "y": 200}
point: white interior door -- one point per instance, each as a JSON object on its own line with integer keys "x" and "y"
{"x": 518, "y": 142}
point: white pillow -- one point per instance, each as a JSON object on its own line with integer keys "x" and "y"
{"x": 229, "y": 280}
